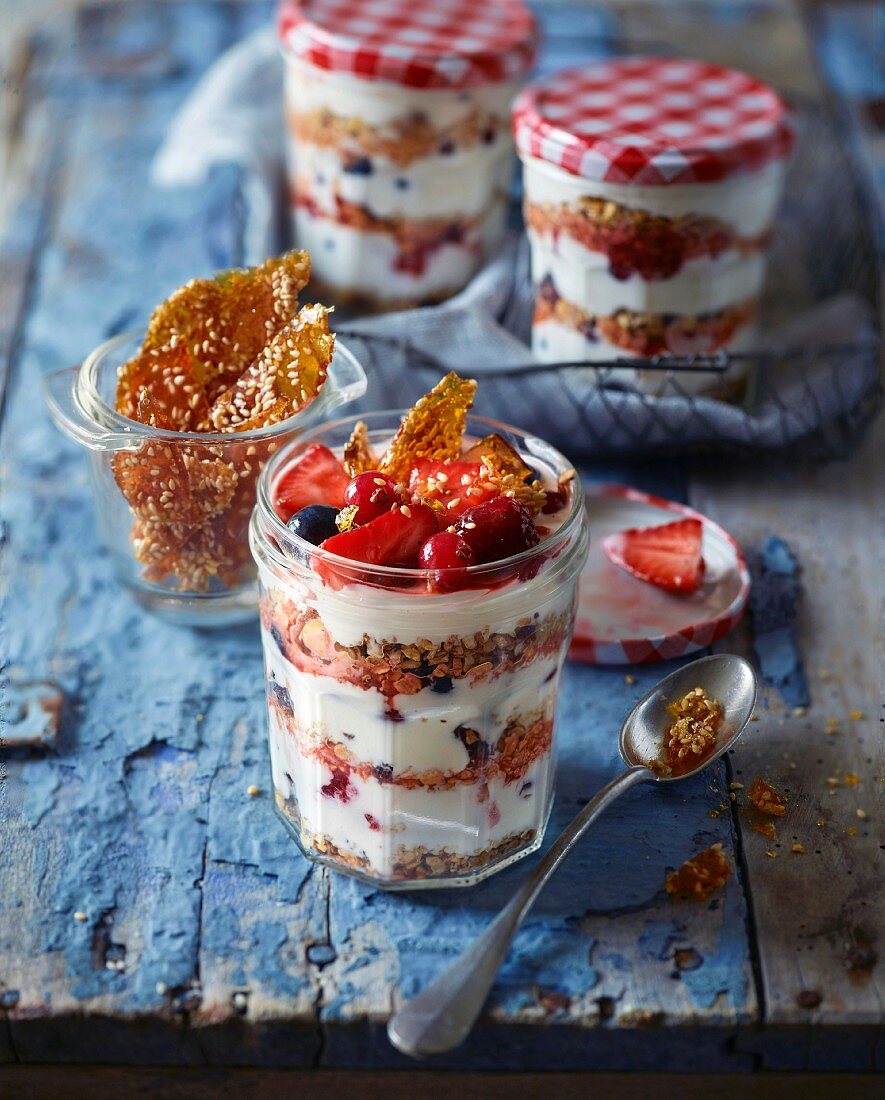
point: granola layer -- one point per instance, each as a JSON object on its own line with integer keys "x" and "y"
{"x": 420, "y": 862}
{"x": 400, "y": 141}
{"x": 397, "y": 668}
{"x": 637, "y": 242}
{"x": 417, "y": 239}
{"x": 645, "y": 334}
{"x": 523, "y": 740}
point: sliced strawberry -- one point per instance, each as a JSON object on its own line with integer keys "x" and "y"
{"x": 394, "y": 538}
{"x": 668, "y": 556}
{"x": 316, "y": 478}
{"x": 457, "y": 485}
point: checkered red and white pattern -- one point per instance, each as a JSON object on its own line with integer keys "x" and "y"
{"x": 652, "y": 121}
{"x": 666, "y": 645}
{"x": 445, "y": 44}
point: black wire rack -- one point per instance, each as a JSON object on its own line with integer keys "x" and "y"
{"x": 816, "y": 384}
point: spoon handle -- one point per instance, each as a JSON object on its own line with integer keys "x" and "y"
{"x": 442, "y": 1014}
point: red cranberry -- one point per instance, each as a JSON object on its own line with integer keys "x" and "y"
{"x": 498, "y": 529}
{"x": 447, "y": 553}
{"x": 555, "y": 502}
{"x": 339, "y": 786}
{"x": 373, "y": 493}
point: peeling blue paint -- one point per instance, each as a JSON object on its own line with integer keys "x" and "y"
{"x": 774, "y": 606}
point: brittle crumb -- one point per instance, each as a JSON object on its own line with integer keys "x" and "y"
{"x": 701, "y": 875}
{"x": 766, "y": 799}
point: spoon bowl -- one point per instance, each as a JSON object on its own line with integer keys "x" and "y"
{"x": 724, "y": 676}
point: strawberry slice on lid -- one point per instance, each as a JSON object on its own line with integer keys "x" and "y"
{"x": 668, "y": 556}
{"x": 316, "y": 478}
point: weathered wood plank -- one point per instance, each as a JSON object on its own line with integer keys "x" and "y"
{"x": 208, "y": 938}
{"x": 819, "y": 915}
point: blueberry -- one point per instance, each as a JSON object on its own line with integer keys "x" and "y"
{"x": 442, "y": 685}
{"x": 358, "y": 166}
{"x": 281, "y": 694}
{"x": 315, "y": 523}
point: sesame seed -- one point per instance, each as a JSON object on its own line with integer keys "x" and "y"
{"x": 252, "y": 791}
{"x": 80, "y": 916}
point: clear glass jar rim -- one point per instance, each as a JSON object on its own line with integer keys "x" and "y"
{"x": 567, "y": 533}
{"x": 103, "y": 415}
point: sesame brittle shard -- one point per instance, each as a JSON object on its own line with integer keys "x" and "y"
{"x": 285, "y": 376}
{"x": 503, "y": 467}
{"x": 224, "y": 322}
{"x": 432, "y": 429}
{"x": 358, "y": 455}
{"x": 701, "y": 875}
{"x": 162, "y": 383}
{"x": 227, "y": 354}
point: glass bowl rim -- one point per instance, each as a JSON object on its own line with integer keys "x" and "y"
{"x": 90, "y": 399}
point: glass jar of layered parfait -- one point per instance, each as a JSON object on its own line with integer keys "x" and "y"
{"x": 651, "y": 187}
{"x": 418, "y": 578}
{"x": 399, "y": 145}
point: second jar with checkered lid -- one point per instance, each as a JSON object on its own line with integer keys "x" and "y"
{"x": 400, "y": 152}
{"x": 651, "y": 186}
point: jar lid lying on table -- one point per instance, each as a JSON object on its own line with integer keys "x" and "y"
{"x": 652, "y": 121}
{"x": 437, "y": 44}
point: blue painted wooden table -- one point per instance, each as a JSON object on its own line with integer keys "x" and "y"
{"x": 152, "y": 912}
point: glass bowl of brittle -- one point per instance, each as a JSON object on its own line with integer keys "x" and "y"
{"x": 179, "y": 419}
{"x": 418, "y": 576}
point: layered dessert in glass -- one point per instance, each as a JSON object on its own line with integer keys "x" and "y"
{"x": 399, "y": 144}
{"x": 651, "y": 187}
{"x": 418, "y": 580}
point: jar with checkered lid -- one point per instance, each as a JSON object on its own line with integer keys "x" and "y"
{"x": 399, "y": 143}
{"x": 651, "y": 187}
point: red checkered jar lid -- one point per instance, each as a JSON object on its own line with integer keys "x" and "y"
{"x": 442, "y": 44}
{"x": 652, "y": 121}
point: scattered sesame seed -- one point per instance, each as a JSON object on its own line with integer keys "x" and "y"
{"x": 798, "y": 849}
{"x": 855, "y": 715}
{"x": 162, "y": 988}
{"x": 80, "y": 915}
{"x": 252, "y": 791}
{"x": 630, "y": 678}
{"x": 862, "y": 814}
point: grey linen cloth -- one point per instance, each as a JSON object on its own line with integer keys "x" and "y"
{"x": 818, "y": 370}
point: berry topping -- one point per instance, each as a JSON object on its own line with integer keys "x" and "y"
{"x": 315, "y": 523}
{"x": 498, "y": 529}
{"x": 447, "y": 553}
{"x": 316, "y": 478}
{"x": 372, "y": 494}
{"x": 392, "y": 539}
{"x": 668, "y": 556}
{"x": 455, "y": 485}
{"x": 446, "y": 550}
